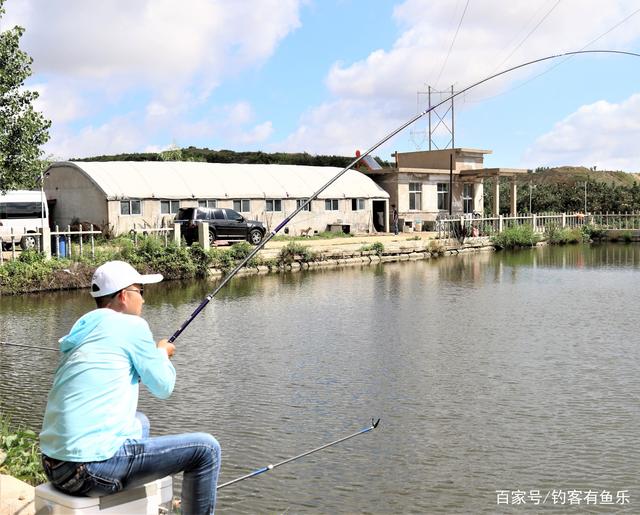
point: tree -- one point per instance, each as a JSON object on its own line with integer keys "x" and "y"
{"x": 22, "y": 130}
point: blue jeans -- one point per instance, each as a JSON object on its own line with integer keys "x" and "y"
{"x": 139, "y": 461}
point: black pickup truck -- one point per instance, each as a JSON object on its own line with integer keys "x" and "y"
{"x": 224, "y": 224}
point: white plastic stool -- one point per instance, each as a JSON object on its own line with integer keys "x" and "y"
{"x": 142, "y": 500}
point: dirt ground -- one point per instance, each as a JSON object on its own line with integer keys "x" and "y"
{"x": 16, "y": 497}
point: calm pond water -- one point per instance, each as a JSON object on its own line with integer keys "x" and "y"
{"x": 490, "y": 372}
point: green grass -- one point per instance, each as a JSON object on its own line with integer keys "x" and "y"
{"x": 31, "y": 272}
{"x": 20, "y": 453}
{"x": 377, "y": 247}
{"x": 559, "y": 236}
{"x": 295, "y": 251}
{"x": 514, "y": 237}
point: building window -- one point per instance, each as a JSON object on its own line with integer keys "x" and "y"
{"x": 169, "y": 207}
{"x": 301, "y": 201}
{"x": 443, "y": 196}
{"x": 357, "y": 204}
{"x": 243, "y": 205}
{"x": 130, "y": 207}
{"x": 209, "y": 202}
{"x": 274, "y": 204}
{"x": 331, "y": 204}
{"x": 415, "y": 196}
{"x": 467, "y": 198}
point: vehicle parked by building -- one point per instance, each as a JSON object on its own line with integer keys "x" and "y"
{"x": 23, "y": 214}
{"x": 224, "y": 224}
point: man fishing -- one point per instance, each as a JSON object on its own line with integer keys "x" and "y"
{"x": 93, "y": 440}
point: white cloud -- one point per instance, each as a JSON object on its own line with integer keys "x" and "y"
{"x": 342, "y": 127}
{"x": 490, "y": 31}
{"x": 57, "y": 104}
{"x": 601, "y": 134}
{"x": 157, "y": 64}
{"x": 258, "y": 134}
{"x": 159, "y": 40}
{"x": 373, "y": 95}
{"x": 119, "y": 135}
{"x": 103, "y": 57}
{"x": 240, "y": 113}
{"x": 234, "y": 123}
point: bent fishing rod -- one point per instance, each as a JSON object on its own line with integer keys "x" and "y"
{"x": 269, "y": 467}
{"x": 386, "y": 138}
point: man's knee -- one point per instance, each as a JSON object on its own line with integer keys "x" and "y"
{"x": 208, "y": 442}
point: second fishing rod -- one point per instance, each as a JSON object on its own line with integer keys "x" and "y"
{"x": 353, "y": 163}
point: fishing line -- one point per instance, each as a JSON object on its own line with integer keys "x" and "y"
{"x": 551, "y": 68}
{"x": 28, "y": 346}
{"x": 386, "y": 138}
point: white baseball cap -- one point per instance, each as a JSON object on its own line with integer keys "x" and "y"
{"x": 114, "y": 276}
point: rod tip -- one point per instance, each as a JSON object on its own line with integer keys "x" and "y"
{"x": 375, "y": 424}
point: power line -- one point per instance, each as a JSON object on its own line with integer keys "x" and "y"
{"x": 553, "y": 67}
{"x": 528, "y": 35}
{"x": 452, "y": 42}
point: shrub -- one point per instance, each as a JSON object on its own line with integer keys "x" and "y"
{"x": 19, "y": 453}
{"x": 295, "y": 251}
{"x": 377, "y": 247}
{"x": 517, "y": 236}
{"x": 31, "y": 256}
{"x": 240, "y": 250}
{"x": 557, "y": 236}
{"x": 593, "y": 232}
{"x": 626, "y": 237}
{"x": 436, "y": 248}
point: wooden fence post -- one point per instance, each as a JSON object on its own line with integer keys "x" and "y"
{"x": 176, "y": 234}
{"x": 203, "y": 235}
{"x": 46, "y": 242}
{"x": 93, "y": 244}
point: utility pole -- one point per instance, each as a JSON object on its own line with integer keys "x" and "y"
{"x": 585, "y": 197}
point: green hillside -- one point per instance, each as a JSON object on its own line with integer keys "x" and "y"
{"x": 206, "y": 155}
{"x": 572, "y": 175}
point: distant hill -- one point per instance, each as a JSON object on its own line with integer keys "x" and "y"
{"x": 206, "y": 155}
{"x": 572, "y": 175}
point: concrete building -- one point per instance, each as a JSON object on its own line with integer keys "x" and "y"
{"x": 426, "y": 184}
{"x": 122, "y": 195}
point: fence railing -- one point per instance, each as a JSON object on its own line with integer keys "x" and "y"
{"x": 473, "y": 225}
{"x": 60, "y": 242}
{"x": 72, "y": 243}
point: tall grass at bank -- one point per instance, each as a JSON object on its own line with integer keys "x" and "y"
{"x": 31, "y": 272}
{"x": 515, "y": 237}
{"x": 20, "y": 453}
{"x": 555, "y": 235}
{"x": 295, "y": 251}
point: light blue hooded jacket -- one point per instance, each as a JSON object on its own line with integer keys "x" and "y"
{"x": 92, "y": 404}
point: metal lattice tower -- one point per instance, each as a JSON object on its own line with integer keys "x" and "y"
{"x": 441, "y": 120}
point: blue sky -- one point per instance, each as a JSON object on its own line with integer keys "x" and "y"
{"x": 333, "y": 76}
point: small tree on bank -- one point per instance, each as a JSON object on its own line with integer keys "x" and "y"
{"x": 22, "y": 130}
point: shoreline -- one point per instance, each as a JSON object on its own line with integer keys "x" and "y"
{"x": 326, "y": 253}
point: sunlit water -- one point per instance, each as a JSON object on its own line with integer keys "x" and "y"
{"x": 507, "y": 371}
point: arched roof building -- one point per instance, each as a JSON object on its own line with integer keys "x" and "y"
{"x": 128, "y": 194}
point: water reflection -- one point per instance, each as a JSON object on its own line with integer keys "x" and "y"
{"x": 489, "y": 371}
